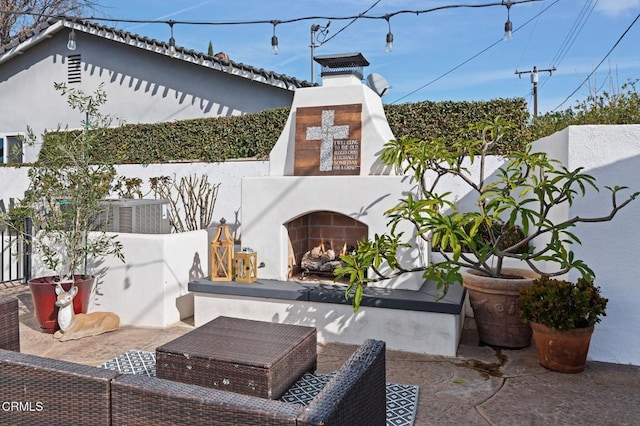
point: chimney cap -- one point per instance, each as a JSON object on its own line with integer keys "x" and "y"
{"x": 342, "y": 60}
{"x": 342, "y": 64}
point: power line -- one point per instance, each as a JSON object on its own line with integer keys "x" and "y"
{"x": 526, "y": 48}
{"x": 350, "y": 23}
{"x": 448, "y": 72}
{"x": 323, "y": 32}
{"x": 574, "y": 31}
{"x": 276, "y": 22}
{"x": 472, "y": 57}
{"x": 600, "y": 63}
{"x": 571, "y": 36}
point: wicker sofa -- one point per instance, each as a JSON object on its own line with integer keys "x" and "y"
{"x": 37, "y": 390}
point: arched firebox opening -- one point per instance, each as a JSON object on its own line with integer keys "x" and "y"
{"x": 317, "y": 239}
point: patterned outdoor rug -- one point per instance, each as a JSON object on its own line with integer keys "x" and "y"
{"x": 401, "y": 399}
{"x": 133, "y": 362}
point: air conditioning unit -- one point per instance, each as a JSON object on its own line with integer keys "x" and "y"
{"x": 137, "y": 216}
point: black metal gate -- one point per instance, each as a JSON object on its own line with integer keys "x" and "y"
{"x": 15, "y": 253}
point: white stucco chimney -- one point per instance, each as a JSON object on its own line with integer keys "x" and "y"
{"x": 326, "y": 160}
{"x": 342, "y": 87}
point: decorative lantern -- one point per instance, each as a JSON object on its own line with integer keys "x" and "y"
{"x": 246, "y": 266}
{"x": 221, "y": 266}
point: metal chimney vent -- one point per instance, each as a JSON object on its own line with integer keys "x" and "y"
{"x": 342, "y": 64}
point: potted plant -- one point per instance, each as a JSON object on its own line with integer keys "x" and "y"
{"x": 64, "y": 202}
{"x": 562, "y": 315}
{"x": 473, "y": 244}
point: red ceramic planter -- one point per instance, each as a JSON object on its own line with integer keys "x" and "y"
{"x": 44, "y": 298}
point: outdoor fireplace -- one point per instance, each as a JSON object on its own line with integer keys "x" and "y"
{"x": 318, "y": 239}
{"x": 326, "y": 190}
{"x": 332, "y": 140}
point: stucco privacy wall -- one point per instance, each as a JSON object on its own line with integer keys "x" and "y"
{"x": 14, "y": 181}
{"x": 150, "y": 288}
{"x": 229, "y": 174}
{"x": 612, "y": 155}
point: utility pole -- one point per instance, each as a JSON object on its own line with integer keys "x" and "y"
{"x": 534, "y": 81}
{"x": 323, "y": 31}
{"x": 314, "y": 30}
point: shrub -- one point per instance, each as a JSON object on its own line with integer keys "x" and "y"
{"x": 562, "y": 305}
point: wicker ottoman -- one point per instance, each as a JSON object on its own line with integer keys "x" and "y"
{"x": 249, "y": 357}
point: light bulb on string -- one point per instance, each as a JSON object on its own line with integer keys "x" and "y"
{"x": 389, "y": 45}
{"x": 274, "y": 40}
{"x": 172, "y": 41}
{"x": 508, "y": 26}
{"x": 71, "y": 44}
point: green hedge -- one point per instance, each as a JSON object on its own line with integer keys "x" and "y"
{"x": 430, "y": 120}
{"x": 254, "y": 135}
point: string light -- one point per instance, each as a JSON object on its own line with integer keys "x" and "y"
{"x": 466, "y": 61}
{"x": 274, "y": 39}
{"x": 389, "y": 46}
{"x": 508, "y": 26}
{"x": 71, "y": 44}
{"x": 172, "y": 41}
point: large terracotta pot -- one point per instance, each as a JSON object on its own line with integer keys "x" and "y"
{"x": 44, "y": 297}
{"x": 495, "y": 306}
{"x": 562, "y": 350}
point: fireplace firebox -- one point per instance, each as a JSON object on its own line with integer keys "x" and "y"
{"x": 317, "y": 239}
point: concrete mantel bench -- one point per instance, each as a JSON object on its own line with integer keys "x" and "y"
{"x": 406, "y": 320}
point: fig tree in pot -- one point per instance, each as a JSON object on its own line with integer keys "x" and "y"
{"x": 63, "y": 197}
{"x": 473, "y": 243}
{"x": 562, "y": 315}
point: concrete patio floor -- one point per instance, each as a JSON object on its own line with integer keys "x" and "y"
{"x": 481, "y": 386}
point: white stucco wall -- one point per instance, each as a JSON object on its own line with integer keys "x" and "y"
{"x": 612, "y": 155}
{"x": 229, "y": 174}
{"x": 14, "y": 181}
{"x": 150, "y": 288}
{"x": 402, "y": 330}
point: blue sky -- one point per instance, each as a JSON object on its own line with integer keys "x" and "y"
{"x": 572, "y": 35}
